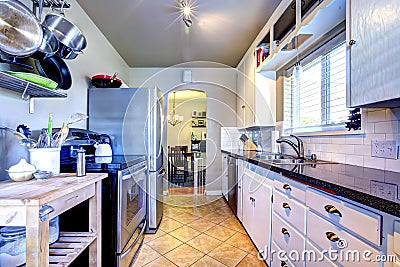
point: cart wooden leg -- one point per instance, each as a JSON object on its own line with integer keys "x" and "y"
{"x": 37, "y": 239}
{"x": 95, "y": 226}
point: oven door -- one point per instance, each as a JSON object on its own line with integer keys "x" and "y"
{"x": 132, "y": 248}
{"x": 131, "y": 203}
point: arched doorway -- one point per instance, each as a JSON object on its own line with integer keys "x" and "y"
{"x": 187, "y": 133}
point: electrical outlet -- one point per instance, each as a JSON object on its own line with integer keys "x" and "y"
{"x": 384, "y": 149}
{"x": 384, "y": 190}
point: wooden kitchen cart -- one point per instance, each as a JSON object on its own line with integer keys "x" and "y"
{"x": 27, "y": 203}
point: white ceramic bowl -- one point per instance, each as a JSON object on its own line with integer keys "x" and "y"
{"x": 20, "y": 176}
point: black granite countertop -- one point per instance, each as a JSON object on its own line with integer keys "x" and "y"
{"x": 356, "y": 183}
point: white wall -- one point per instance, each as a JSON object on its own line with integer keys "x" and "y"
{"x": 99, "y": 57}
{"x": 219, "y": 84}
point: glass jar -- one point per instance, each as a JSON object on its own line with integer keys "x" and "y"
{"x": 53, "y": 230}
{"x": 13, "y": 243}
{"x": 12, "y": 246}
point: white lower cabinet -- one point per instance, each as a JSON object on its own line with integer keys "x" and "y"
{"x": 279, "y": 257}
{"x": 225, "y": 176}
{"x": 240, "y": 171}
{"x": 314, "y": 258}
{"x": 257, "y": 193}
{"x": 342, "y": 247}
{"x": 288, "y": 239}
{"x": 292, "y": 211}
{"x": 362, "y": 222}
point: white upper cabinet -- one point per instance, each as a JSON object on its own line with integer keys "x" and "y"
{"x": 245, "y": 92}
{"x": 372, "y": 36}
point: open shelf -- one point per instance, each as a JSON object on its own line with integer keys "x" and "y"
{"x": 68, "y": 247}
{"x": 27, "y": 88}
{"x": 317, "y": 23}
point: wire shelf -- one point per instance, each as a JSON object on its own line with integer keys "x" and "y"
{"x": 27, "y": 89}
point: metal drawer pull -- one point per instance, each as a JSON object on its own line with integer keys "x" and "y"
{"x": 332, "y": 236}
{"x": 45, "y": 211}
{"x": 286, "y": 206}
{"x": 333, "y": 210}
{"x": 352, "y": 42}
{"x": 287, "y": 187}
{"x": 283, "y": 264}
{"x": 285, "y": 232}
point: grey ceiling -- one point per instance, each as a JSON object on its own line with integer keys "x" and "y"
{"x": 150, "y": 33}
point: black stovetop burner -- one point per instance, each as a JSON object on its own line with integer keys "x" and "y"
{"x": 117, "y": 162}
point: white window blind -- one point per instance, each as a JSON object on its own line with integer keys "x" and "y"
{"x": 315, "y": 100}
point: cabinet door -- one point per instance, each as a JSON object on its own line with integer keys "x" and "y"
{"x": 265, "y": 98}
{"x": 240, "y": 172}
{"x": 375, "y": 57}
{"x": 225, "y": 176}
{"x": 247, "y": 203}
{"x": 249, "y": 90}
{"x": 262, "y": 193}
{"x": 240, "y": 105}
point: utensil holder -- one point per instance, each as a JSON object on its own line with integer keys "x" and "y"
{"x": 46, "y": 159}
{"x": 249, "y": 145}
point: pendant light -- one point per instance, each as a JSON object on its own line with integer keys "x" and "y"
{"x": 186, "y": 12}
{"x": 297, "y": 69}
{"x": 175, "y": 119}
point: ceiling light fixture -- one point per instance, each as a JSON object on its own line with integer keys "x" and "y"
{"x": 175, "y": 119}
{"x": 186, "y": 10}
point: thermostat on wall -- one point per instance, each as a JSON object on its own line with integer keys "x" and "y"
{"x": 187, "y": 76}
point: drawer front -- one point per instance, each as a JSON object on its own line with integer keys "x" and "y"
{"x": 321, "y": 232}
{"x": 318, "y": 260}
{"x": 290, "y": 188}
{"x": 396, "y": 245}
{"x": 279, "y": 260}
{"x": 68, "y": 201}
{"x": 290, "y": 210}
{"x": 286, "y": 237}
{"x": 363, "y": 222}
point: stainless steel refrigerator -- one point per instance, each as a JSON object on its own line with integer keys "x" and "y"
{"x": 133, "y": 117}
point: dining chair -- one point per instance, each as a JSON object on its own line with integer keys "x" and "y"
{"x": 178, "y": 165}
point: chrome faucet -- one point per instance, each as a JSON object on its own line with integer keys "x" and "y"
{"x": 299, "y": 148}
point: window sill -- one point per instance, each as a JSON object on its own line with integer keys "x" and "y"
{"x": 331, "y": 133}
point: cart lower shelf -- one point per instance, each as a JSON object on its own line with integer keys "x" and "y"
{"x": 68, "y": 247}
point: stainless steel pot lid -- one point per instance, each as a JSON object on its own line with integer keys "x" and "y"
{"x": 20, "y": 31}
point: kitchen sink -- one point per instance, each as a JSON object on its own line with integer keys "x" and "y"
{"x": 269, "y": 157}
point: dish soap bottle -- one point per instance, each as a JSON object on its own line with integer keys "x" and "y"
{"x": 193, "y": 137}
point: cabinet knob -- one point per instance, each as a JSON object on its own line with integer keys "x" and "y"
{"x": 285, "y": 232}
{"x": 332, "y": 236}
{"x": 286, "y": 206}
{"x": 352, "y": 42}
{"x": 287, "y": 187}
{"x": 283, "y": 264}
{"x": 333, "y": 210}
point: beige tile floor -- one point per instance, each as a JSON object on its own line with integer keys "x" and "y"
{"x": 198, "y": 231}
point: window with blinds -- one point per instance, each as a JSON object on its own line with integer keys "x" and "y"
{"x": 315, "y": 99}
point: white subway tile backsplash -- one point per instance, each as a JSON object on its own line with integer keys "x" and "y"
{"x": 362, "y": 150}
{"x": 370, "y": 128}
{"x": 369, "y": 137}
{"x": 338, "y": 139}
{"x": 376, "y": 163}
{"x": 376, "y": 116}
{"x": 321, "y": 147}
{"x": 340, "y": 158}
{"x": 393, "y": 114}
{"x": 354, "y": 140}
{"x": 392, "y": 165}
{"x": 387, "y": 127}
{"x": 355, "y": 160}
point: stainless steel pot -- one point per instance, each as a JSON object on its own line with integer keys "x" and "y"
{"x": 48, "y": 47}
{"x": 71, "y": 39}
{"x": 20, "y": 31}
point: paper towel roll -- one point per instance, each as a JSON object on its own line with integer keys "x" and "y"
{"x": 274, "y": 144}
